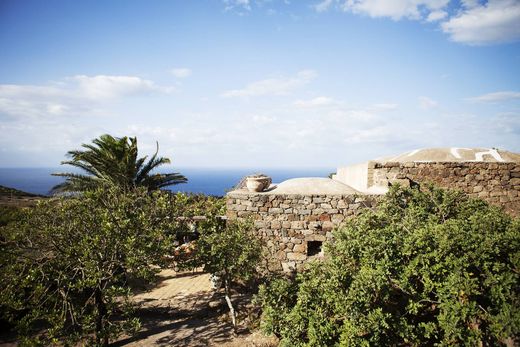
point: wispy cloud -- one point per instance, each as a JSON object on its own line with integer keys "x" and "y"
{"x": 72, "y": 95}
{"x": 273, "y": 86}
{"x": 436, "y": 16}
{"x": 181, "y": 72}
{"x": 320, "y": 101}
{"x": 109, "y": 87}
{"x": 427, "y": 103}
{"x": 323, "y": 5}
{"x": 242, "y": 4}
{"x": 496, "y": 96}
{"x": 396, "y": 9}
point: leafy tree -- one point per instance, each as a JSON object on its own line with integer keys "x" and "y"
{"x": 114, "y": 161}
{"x": 65, "y": 264}
{"x": 233, "y": 253}
{"x": 424, "y": 268}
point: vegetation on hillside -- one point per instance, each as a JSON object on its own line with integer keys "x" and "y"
{"x": 425, "y": 268}
{"x": 11, "y": 192}
{"x": 114, "y": 161}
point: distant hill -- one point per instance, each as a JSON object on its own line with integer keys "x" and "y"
{"x": 11, "y": 192}
{"x": 15, "y": 197}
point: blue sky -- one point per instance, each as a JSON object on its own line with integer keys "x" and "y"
{"x": 258, "y": 84}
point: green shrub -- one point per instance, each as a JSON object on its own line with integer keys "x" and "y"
{"x": 10, "y": 214}
{"x": 232, "y": 253}
{"x": 425, "y": 267}
{"x": 65, "y": 265}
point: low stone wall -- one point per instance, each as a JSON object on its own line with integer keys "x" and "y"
{"x": 497, "y": 183}
{"x": 294, "y": 226}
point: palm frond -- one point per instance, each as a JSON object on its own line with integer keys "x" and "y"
{"x": 112, "y": 160}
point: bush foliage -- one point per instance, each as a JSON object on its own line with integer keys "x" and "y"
{"x": 67, "y": 263}
{"x": 428, "y": 267}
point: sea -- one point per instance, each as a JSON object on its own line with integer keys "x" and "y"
{"x": 209, "y": 181}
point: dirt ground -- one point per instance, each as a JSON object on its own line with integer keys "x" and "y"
{"x": 183, "y": 310}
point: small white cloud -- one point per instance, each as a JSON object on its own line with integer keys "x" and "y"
{"x": 496, "y": 21}
{"x": 496, "y": 97}
{"x": 323, "y": 6}
{"x": 263, "y": 120}
{"x": 383, "y": 107}
{"x": 181, "y": 72}
{"x": 320, "y": 101}
{"x": 108, "y": 87}
{"x": 273, "y": 86}
{"x": 436, "y": 16}
{"x": 395, "y": 9}
{"x": 426, "y": 103}
{"x": 243, "y": 4}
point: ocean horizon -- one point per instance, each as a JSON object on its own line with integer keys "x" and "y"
{"x": 209, "y": 181}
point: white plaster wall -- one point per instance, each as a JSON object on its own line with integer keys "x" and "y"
{"x": 355, "y": 176}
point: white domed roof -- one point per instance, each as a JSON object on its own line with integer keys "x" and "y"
{"x": 454, "y": 154}
{"x": 313, "y": 185}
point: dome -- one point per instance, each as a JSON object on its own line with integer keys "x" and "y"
{"x": 313, "y": 186}
{"x": 454, "y": 154}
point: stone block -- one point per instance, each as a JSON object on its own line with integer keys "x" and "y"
{"x": 477, "y": 189}
{"x": 337, "y": 218}
{"x": 276, "y": 225}
{"x": 327, "y": 226}
{"x": 297, "y": 225}
{"x": 299, "y": 248}
{"x": 289, "y": 266}
{"x": 342, "y": 204}
{"x": 324, "y": 217}
{"x": 296, "y": 256}
{"x": 280, "y": 255}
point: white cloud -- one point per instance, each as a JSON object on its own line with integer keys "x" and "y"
{"x": 231, "y": 4}
{"x": 497, "y": 96}
{"x": 436, "y": 16}
{"x": 472, "y": 22}
{"x": 427, "y": 103}
{"x": 396, "y": 9}
{"x": 73, "y": 95}
{"x": 181, "y": 72}
{"x": 383, "y": 107}
{"x": 320, "y": 101}
{"x": 494, "y": 22}
{"x": 273, "y": 86}
{"x": 323, "y": 6}
{"x": 109, "y": 87}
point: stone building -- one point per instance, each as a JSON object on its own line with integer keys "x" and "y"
{"x": 296, "y": 216}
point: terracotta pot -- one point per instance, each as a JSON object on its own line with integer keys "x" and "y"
{"x": 258, "y": 184}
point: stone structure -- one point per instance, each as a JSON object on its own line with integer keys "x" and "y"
{"x": 294, "y": 226}
{"x": 491, "y": 175}
{"x": 297, "y": 216}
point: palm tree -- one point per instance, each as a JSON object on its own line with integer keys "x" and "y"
{"x": 113, "y": 160}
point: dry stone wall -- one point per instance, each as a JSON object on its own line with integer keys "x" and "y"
{"x": 294, "y": 227}
{"x": 497, "y": 183}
